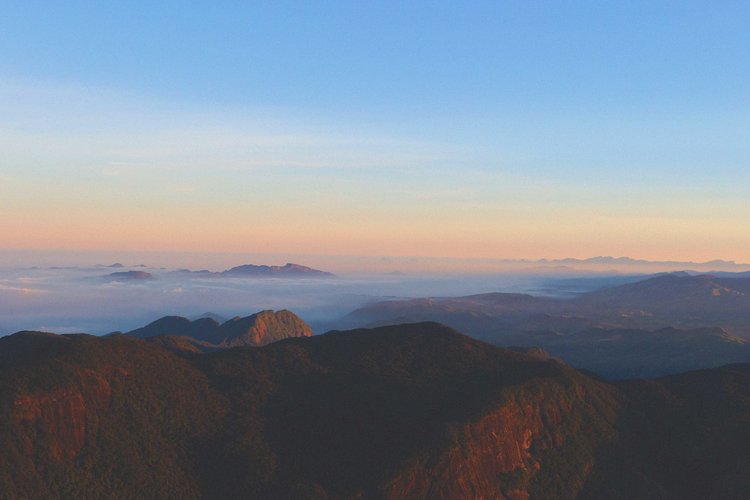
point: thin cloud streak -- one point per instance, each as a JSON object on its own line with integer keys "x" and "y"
{"x": 76, "y": 127}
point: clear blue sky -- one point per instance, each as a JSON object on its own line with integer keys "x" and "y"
{"x": 508, "y": 129}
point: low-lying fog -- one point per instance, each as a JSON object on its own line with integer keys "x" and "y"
{"x": 85, "y": 299}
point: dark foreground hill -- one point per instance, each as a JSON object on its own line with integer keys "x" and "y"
{"x": 410, "y": 411}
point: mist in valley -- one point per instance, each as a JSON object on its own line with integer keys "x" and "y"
{"x": 99, "y": 299}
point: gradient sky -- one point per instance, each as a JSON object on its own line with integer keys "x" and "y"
{"x": 453, "y": 129}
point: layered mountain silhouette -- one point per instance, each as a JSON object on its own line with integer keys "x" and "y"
{"x": 628, "y": 261}
{"x": 288, "y": 270}
{"x": 410, "y": 411}
{"x": 129, "y": 276}
{"x": 676, "y": 293}
{"x": 657, "y": 326}
{"x": 206, "y": 333}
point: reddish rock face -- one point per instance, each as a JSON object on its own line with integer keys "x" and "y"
{"x": 57, "y": 423}
{"x": 257, "y": 329}
{"x": 263, "y": 328}
{"x": 504, "y": 443}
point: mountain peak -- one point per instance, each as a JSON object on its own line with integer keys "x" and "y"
{"x": 130, "y": 276}
{"x": 287, "y": 270}
{"x": 262, "y": 328}
{"x": 257, "y": 329}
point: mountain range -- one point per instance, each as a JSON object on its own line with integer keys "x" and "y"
{"x": 631, "y": 263}
{"x": 408, "y": 411}
{"x": 206, "y": 333}
{"x": 288, "y": 270}
{"x": 129, "y": 276}
{"x": 608, "y": 260}
{"x": 665, "y": 324}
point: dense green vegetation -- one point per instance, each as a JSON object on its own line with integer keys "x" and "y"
{"x": 140, "y": 438}
{"x": 684, "y": 436}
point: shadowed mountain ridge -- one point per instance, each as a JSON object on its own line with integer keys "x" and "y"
{"x": 408, "y": 411}
{"x": 657, "y": 326}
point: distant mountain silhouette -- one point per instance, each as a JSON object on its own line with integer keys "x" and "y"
{"x": 199, "y": 329}
{"x": 130, "y": 276}
{"x": 216, "y": 317}
{"x": 291, "y": 270}
{"x": 680, "y": 292}
{"x": 288, "y": 270}
{"x": 657, "y": 326}
{"x": 410, "y": 411}
{"x": 258, "y": 329}
{"x": 630, "y": 262}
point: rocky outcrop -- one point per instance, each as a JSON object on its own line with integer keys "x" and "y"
{"x": 497, "y": 444}
{"x": 57, "y": 423}
{"x": 255, "y": 330}
{"x": 499, "y": 455}
{"x": 262, "y": 328}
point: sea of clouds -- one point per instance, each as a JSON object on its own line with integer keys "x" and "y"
{"x": 88, "y": 299}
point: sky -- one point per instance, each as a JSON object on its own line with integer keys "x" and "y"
{"x": 463, "y": 130}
